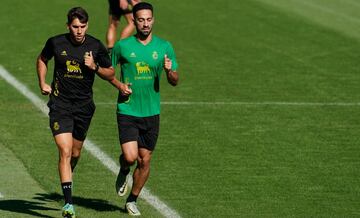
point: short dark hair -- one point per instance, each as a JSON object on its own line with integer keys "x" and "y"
{"x": 79, "y": 13}
{"x": 142, "y": 6}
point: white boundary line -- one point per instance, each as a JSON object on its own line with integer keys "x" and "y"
{"x": 89, "y": 146}
{"x": 1, "y": 196}
{"x": 273, "y": 103}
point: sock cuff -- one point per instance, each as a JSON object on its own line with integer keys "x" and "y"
{"x": 66, "y": 185}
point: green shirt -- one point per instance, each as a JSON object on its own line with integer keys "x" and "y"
{"x": 142, "y": 66}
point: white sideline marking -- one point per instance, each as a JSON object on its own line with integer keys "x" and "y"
{"x": 331, "y": 11}
{"x": 266, "y": 103}
{"x": 1, "y": 196}
{"x": 271, "y": 103}
{"x": 88, "y": 145}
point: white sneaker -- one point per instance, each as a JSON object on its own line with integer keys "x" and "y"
{"x": 132, "y": 209}
{"x": 121, "y": 184}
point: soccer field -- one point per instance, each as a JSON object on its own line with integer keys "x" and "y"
{"x": 264, "y": 123}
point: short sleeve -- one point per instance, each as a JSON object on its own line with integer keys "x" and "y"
{"x": 171, "y": 55}
{"x": 115, "y": 54}
{"x": 103, "y": 57}
{"x": 48, "y": 50}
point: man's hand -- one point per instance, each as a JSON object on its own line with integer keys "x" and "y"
{"x": 89, "y": 60}
{"x": 45, "y": 89}
{"x": 172, "y": 76}
{"x": 125, "y": 89}
{"x": 167, "y": 64}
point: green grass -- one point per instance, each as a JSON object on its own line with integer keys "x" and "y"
{"x": 18, "y": 200}
{"x": 220, "y": 160}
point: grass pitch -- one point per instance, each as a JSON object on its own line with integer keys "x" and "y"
{"x": 266, "y": 122}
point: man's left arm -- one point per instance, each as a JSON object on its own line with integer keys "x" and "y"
{"x": 172, "y": 75}
{"x": 106, "y": 73}
{"x": 171, "y": 65}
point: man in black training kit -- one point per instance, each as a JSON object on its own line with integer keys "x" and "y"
{"x": 78, "y": 57}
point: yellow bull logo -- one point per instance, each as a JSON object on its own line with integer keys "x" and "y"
{"x": 142, "y": 67}
{"x": 73, "y": 67}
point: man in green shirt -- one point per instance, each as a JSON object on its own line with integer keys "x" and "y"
{"x": 142, "y": 59}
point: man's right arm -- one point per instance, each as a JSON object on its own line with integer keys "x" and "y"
{"x": 41, "y": 67}
{"x": 124, "y": 88}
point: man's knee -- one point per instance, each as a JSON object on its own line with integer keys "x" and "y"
{"x": 65, "y": 153}
{"x": 144, "y": 161}
{"x": 76, "y": 148}
{"x": 75, "y": 155}
{"x": 129, "y": 158}
{"x": 144, "y": 164}
{"x": 130, "y": 152}
{"x": 76, "y": 152}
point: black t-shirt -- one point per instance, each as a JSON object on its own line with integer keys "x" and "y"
{"x": 73, "y": 80}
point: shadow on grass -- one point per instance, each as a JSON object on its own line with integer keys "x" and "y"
{"x": 90, "y": 203}
{"x": 32, "y": 207}
{"x": 25, "y": 207}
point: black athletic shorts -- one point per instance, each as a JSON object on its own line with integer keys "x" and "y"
{"x": 144, "y": 130}
{"x": 115, "y": 10}
{"x": 70, "y": 118}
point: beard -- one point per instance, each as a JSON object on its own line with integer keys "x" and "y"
{"x": 77, "y": 39}
{"x": 144, "y": 33}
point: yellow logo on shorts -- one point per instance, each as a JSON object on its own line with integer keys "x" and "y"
{"x": 56, "y": 126}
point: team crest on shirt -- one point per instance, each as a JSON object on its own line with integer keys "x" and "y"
{"x": 56, "y": 126}
{"x": 155, "y": 55}
{"x": 133, "y": 55}
{"x": 63, "y": 53}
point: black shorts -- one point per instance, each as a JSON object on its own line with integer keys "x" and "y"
{"x": 70, "y": 118}
{"x": 115, "y": 10}
{"x": 144, "y": 130}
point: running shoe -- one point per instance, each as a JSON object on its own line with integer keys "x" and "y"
{"x": 68, "y": 211}
{"x": 132, "y": 209}
{"x": 121, "y": 184}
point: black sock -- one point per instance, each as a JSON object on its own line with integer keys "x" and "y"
{"x": 66, "y": 188}
{"x": 131, "y": 198}
{"x": 73, "y": 163}
{"x": 122, "y": 169}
